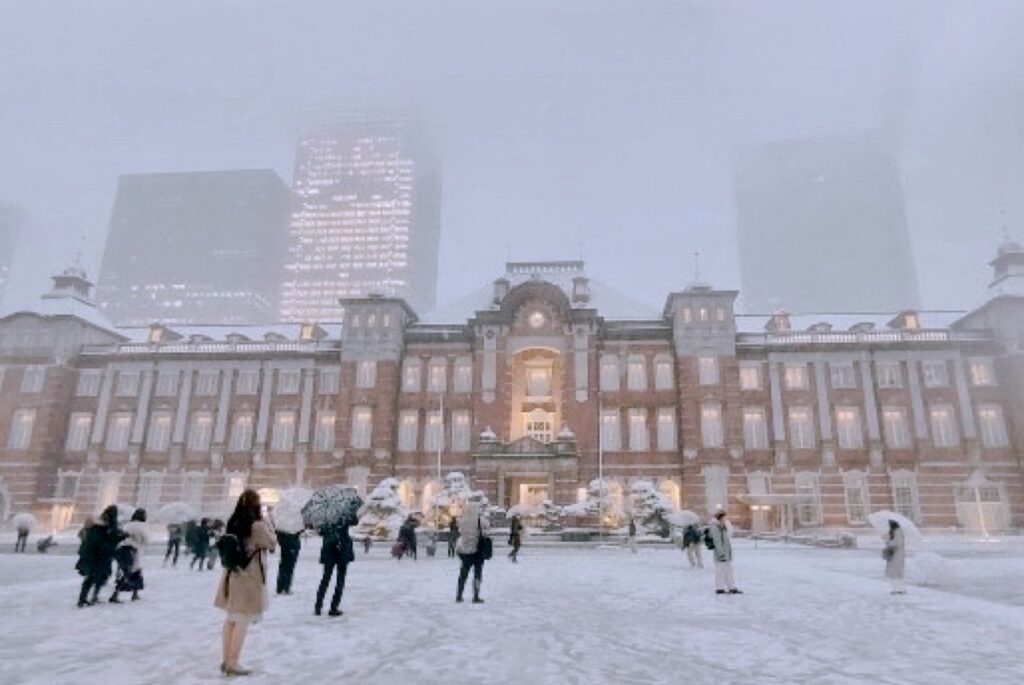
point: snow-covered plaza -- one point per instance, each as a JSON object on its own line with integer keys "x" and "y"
{"x": 561, "y": 615}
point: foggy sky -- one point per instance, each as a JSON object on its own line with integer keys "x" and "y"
{"x": 606, "y": 127}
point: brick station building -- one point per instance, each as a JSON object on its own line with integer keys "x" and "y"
{"x": 531, "y": 387}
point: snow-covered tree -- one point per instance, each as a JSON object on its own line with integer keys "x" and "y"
{"x": 383, "y": 513}
{"x": 650, "y": 508}
{"x": 450, "y": 501}
{"x": 601, "y": 500}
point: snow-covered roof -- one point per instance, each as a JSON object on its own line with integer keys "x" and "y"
{"x": 929, "y": 320}
{"x": 254, "y": 332}
{"x": 609, "y": 302}
{"x": 68, "y": 306}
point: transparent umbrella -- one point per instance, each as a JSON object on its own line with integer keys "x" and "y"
{"x": 287, "y": 512}
{"x": 879, "y": 520}
{"x": 176, "y": 512}
{"x": 683, "y": 518}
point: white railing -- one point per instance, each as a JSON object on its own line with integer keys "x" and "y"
{"x": 859, "y": 337}
{"x": 209, "y": 347}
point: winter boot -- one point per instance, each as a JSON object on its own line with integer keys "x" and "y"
{"x": 335, "y": 611}
{"x": 476, "y": 593}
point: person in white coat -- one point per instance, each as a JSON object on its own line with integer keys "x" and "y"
{"x": 472, "y": 525}
{"x": 719, "y": 532}
{"x": 129, "y": 556}
{"x": 895, "y": 555}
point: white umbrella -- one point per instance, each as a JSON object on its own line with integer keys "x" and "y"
{"x": 287, "y": 513}
{"x": 683, "y": 518}
{"x": 124, "y": 513}
{"x": 176, "y": 512}
{"x": 879, "y": 520}
{"x": 24, "y": 521}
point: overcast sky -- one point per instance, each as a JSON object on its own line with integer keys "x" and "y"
{"x": 609, "y": 127}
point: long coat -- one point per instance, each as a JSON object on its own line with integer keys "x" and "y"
{"x": 472, "y": 523}
{"x": 96, "y": 553}
{"x": 337, "y": 545}
{"x": 138, "y": 538}
{"x": 723, "y": 544}
{"x": 895, "y": 567}
{"x": 244, "y": 591}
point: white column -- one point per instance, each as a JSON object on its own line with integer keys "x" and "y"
{"x": 778, "y": 417}
{"x": 581, "y": 362}
{"x": 181, "y": 415}
{"x": 306, "y": 409}
{"x": 824, "y": 413}
{"x": 99, "y": 426}
{"x": 964, "y": 396}
{"x": 916, "y": 401}
{"x": 489, "y": 378}
{"x": 142, "y": 413}
{"x": 220, "y": 428}
{"x": 870, "y": 404}
{"x": 263, "y": 418}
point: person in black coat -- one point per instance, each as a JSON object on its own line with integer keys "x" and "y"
{"x": 291, "y": 545}
{"x": 515, "y": 538}
{"x": 336, "y": 553}
{"x": 453, "y": 536}
{"x": 174, "y": 535}
{"x": 200, "y": 544}
{"x": 407, "y": 536}
{"x": 96, "y": 554}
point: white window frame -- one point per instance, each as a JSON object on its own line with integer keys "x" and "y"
{"x": 282, "y": 436}
{"x": 856, "y": 497}
{"x": 707, "y": 370}
{"x": 992, "y": 426}
{"x": 437, "y": 375}
{"x": 412, "y": 374}
{"x": 888, "y": 375}
{"x": 636, "y": 373}
{"x": 663, "y": 375}
{"x": 750, "y": 376}
{"x": 408, "y": 430}
{"x": 905, "y": 495}
{"x": 288, "y": 381}
{"x": 849, "y": 428}
{"x": 982, "y": 371}
{"x": 33, "y": 379}
{"x": 935, "y": 373}
{"x": 330, "y": 381}
{"x": 126, "y": 384}
{"x": 796, "y": 376}
{"x": 896, "y": 427}
{"x": 119, "y": 429}
{"x": 755, "y": 428}
{"x": 546, "y": 372}
{"x": 207, "y": 383}
{"x": 611, "y": 430}
{"x": 462, "y": 377}
{"x": 247, "y": 382}
{"x": 610, "y": 373}
{"x": 361, "y": 437}
{"x": 200, "y": 431}
{"x": 462, "y": 424}
{"x": 22, "y": 425}
{"x": 639, "y": 438}
{"x": 842, "y": 375}
{"x": 243, "y": 432}
{"x": 366, "y": 374}
{"x": 716, "y": 486}
{"x": 807, "y": 438}
{"x": 712, "y": 430}
{"x": 808, "y": 514}
{"x": 326, "y": 429}
{"x": 88, "y": 384}
{"x": 942, "y": 421}
{"x": 167, "y": 383}
{"x": 667, "y": 431}
{"x": 79, "y": 430}
{"x": 433, "y": 432}
{"x": 158, "y": 439}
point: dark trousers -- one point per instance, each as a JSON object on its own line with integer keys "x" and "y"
{"x": 199, "y": 558}
{"x": 94, "y": 582}
{"x": 173, "y": 547}
{"x": 325, "y": 582}
{"x": 473, "y": 561}
{"x": 452, "y": 540}
{"x": 516, "y": 542}
{"x": 289, "y": 556}
{"x": 19, "y": 546}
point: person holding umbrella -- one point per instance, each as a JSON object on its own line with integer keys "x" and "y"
{"x": 23, "y": 524}
{"x": 895, "y": 555}
{"x": 473, "y": 548}
{"x": 333, "y": 510}
{"x": 515, "y": 538}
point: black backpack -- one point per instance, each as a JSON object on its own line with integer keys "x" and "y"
{"x": 709, "y": 541}
{"x": 232, "y": 553}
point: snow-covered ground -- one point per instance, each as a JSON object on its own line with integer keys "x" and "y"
{"x": 561, "y": 616}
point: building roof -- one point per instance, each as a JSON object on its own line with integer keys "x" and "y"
{"x": 254, "y": 332}
{"x": 929, "y": 320}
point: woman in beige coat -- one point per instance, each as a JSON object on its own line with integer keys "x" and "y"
{"x": 243, "y": 591}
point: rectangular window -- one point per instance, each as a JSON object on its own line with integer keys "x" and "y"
{"x": 755, "y": 429}
{"x": 896, "y": 428}
{"x": 935, "y": 373}
{"x": 242, "y": 433}
{"x": 808, "y": 509}
{"x": 206, "y": 383}
{"x": 150, "y": 489}
{"x": 362, "y": 427}
{"x": 67, "y": 485}
{"x": 200, "y": 431}
{"x": 247, "y": 382}
{"x": 411, "y": 372}
{"x": 330, "y": 381}
{"x": 943, "y": 421}
{"x": 463, "y": 379}
{"x": 904, "y": 493}
{"x": 993, "y": 426}
{"x": 855, "y": 491}
{"x": 611, "y": 435}
{"x": 323, "y": 440}
{"x": 638, "y": 440}
{"x": 79, "y": 429}
{"x": 283, "y": 437}
{"x": 636, "y": 373}
{"x": 750, "y": 376}
{"x": 538, "y": 382}
{"x": 88, "y": 383}
{"x": 982, "y": 371}
{"x": 716, "y": 487}
{"x": 192, "y": 484}
{"x": 437, "y": 375}
{"x": 667, "y": 429}
{"x": 609, "y": 373}
{"x": 711, "y": 425}
{"x": 167, "y": 384}
{"x": 288, "y": 382}
{"x": 796, "y": 376}
{"x": 408, "y": 430}
{"x": 843, "y": 375}
{"x": 159, "y": 438}
{"x": 366, "y": 374}
{"x": 118, "y": 429}
{"x": 848, "y": 428}
{"x": 433, "y": 436}
{"x": 127, "y": 384}
{"x": 663, "y": 374}
{"x": 33, "y": 378}
{"x": 888, "y": 375}
{"x": 234, "y": 485}
{"x": 107, "y": 492}
{"x": 801, "y": 428}
{"x": 707, "y": 370}
{"x": 460, "y": 431}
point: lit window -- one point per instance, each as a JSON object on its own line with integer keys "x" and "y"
{"x": 750, "y": 376}
{"x": 636, "y": 373}
{"x": 411, "y": 375}
{"x": 843, "y": 375}
{"x": 107, "y": 492}
{"x": 79, "y": 428}
{"x": 638, "y": 440}
{"x": 538, "y": 382}
{"x": 437, "y": 375}
{"x": 288, "y": 382}
{"x": 463, "y": 378}
{"x": 935, "y": 372}
{"x": 127, "y": 384}
{"x": 323, "y": 440}
{"x": 362, "y": 427}
{"x": 663, "y": 373}
{"x": 408, "y": 430}
{"x": 159, "y": 438}
{"x": 611, "y": 435}
{"x": 896, "y": 427}
{"x": 433, "y": 436}
{"x": 711, "y": 425}
{"x": 707, "y": 370}
{"x": 609, "y": 373}
{"x": 993, "y": 426}
{"x": 242, "y": 433}
{"x": 538, "y": 425}
{"x": 855, "y": 491}
{"x": 330, "y": 381}
{"x": 366, "y": 374}
{"x": 166, "y": 383}
{"x": 33, "y": 379}
{"x": 944, "y": 433}
{"x": 796, "y": 376}
{"x": 460, "y": 431}
{"x": 88, "y": 384}
{"x": 888, "y": 374}
{"x": 200, "y": 431}
{"x": 118, "y": 428}
{"x": 848, "y": 428}
{"x": 716, "y": 487}
{"x": 982, "y": 371}
{"x": 755, "y": 429}
{"x": 801, "y": 428}
{"x": 667, "y": 429}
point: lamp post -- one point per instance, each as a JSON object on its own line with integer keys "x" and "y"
{"x": 600, "y": 466}
{"x": 440, "y": 445}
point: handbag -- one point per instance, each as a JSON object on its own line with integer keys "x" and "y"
{"x": 888, "y": 553}
{"x": 485, "y": 546}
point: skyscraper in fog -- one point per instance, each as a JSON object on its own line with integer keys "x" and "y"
{"x": 195, "y": 247}
{"x": 10, "y": 231}
{"x": 366, "y": 217}
{"x": 822, "y": 227}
